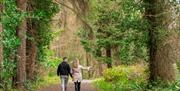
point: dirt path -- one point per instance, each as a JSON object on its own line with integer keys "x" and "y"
{"x": 85, "y": 86}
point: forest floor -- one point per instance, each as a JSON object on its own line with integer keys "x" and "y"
{"x": 86, "y": 85}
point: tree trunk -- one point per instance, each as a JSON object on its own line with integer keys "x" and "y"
{"x": 31, "y": 53}
{"x": 161, "y": 52}
{"x": 31, "y": 48}
{"x": 88, "y": 61}
{"x": 108, "y": 55}
{"x": 150, "y": 13}
{"x": 100, "y": 64}
{"x": 100, "y": 68}
{"x": 1, "y": 52}
{"x": 1, "y": 45}
{"x": 21, "y": 63}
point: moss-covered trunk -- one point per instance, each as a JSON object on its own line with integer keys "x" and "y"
{"x": 163, "y": 41}
{"x": 1, "y": 43}
{"x": 21, "y": 32}
{"x": 31, "y": 47}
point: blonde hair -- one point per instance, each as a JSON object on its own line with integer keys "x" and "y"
{"x": 76, "y": 63}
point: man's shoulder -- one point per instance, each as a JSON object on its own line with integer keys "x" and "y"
{"x": 63, "y": 63}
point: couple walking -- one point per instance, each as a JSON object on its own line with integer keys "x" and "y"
{"x": 64, "y": 70}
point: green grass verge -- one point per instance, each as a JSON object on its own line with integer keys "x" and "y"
{"x": 41, "y": 83}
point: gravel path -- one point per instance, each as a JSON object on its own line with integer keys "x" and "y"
{"x": 85, "y": 86}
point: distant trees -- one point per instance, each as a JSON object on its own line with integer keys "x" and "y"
{"x": 118, "y": 31}
{"x": 163, "y": 40}
{"x": 121, "y": 26}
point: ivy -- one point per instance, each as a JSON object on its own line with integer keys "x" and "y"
{"x": 41, "y": 15}
{"x": 43, "y": 11}
{"x": 10, "y": 20}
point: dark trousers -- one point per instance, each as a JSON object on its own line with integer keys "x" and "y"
{"x": 77, "y": 86}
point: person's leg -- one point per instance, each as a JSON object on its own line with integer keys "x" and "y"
{"x": 79, "y": 86}
{"x": 76, "y": 86}
{"x": 62, "y": 83}
{"x": 66, "y": 83}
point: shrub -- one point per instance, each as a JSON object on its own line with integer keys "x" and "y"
{"x": 103, "y": 85}
{"x": 131, "y": 78}
{"x": 168, "y": 87}
{"x": 123, "y": 78}
{"x": 123, "y": 73}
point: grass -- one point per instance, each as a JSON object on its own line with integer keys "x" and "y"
{"x": 43, "y": 82}
{"x": 40, "y": 83}
{"x": 102, "y": 85}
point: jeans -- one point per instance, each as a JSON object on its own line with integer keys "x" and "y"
{"x": 77, "y": 86}
{"x": 64, "y": 82}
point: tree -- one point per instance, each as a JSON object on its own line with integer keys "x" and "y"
{"x": 31, "y": 47}
{"x": 117, "y": 25}
{"x": 1, "y": 43}
{"x": 108, "y": 55}
{"x": 21, "y": 33}
{"x": 163, "y": 40}
{"x": 15, "y": 40}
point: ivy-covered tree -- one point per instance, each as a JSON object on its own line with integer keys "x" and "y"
{"x": 1, "y": 43}
{"x": 16, "y": 40}
{"x": 31, "y": 45}
{"x": 1, "y": 32}
{"x": 10, "y": 21}
{"x": 164, "y": 43}
{"x": 21, "y": 51}
{"x": 39, "y": 33}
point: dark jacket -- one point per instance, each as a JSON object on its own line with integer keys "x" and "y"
{"x": 64, "y": 69}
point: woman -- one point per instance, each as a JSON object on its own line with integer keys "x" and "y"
{"x": 77, "y": 75}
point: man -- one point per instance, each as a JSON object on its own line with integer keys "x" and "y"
{"x": 64, "y": 71}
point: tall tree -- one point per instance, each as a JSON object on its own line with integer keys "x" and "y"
{"x": 21, "y": 32}
{"x": 162, "y": 40}
{"x": 1, "y": 38}
{"x": 117, "y": 25}
{"x": 31, "y": 47}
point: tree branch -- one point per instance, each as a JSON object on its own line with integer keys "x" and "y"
{"x": 78, "y": 15}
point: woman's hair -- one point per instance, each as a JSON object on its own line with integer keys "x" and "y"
{"x": 75, "y": 63}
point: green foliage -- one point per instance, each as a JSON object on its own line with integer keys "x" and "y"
{"x": 131, "y": 78}
{"x": 165, "y": 87}
{"x": 118, "y": 24}
{"x": 123, "y": 78}
{"x": 120, "y": 73}
{"x": 102, "y": 85}
{"x": 51, "y": 61}
{"x": 43, "y": 11}
{"x": 41, "y": 82}
{"x": 49, "y": 76}
{"x": 10, "y": 20}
